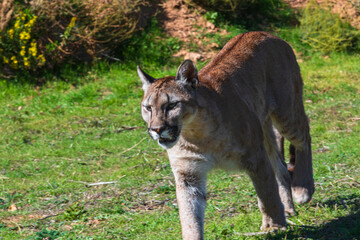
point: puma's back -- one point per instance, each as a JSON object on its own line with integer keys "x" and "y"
{"x": 257, "y": 68}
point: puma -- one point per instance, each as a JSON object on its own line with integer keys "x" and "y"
{"x": 233, "y": 114}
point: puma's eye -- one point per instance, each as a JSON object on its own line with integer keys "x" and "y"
{"x": 171, "y": 105}
{"x": 147, "y": 108}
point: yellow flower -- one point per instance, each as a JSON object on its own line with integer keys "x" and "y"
{"x": 33, "y": 49}
{"x": 26, "y": 62}
{"x": 23, "y": 16}
{"x": 5, "y": 60}
{"x": 41, "y": 60}
{"x": 31, "y": 22}
{"x": 23, "y": 51}
{"x": 11, "y": 33}
{"x": 72, "y": 22}
{"x": 14, "y": 63}
{"x": 24, "y": 36}
{"x": 17, "y": 24}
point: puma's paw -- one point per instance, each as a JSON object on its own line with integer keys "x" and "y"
{"x": 302, "y": 195}
{"x": 290, "y": 212}
{"x": 273, "y": 228}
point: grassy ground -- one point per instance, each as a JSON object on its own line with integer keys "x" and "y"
{"x": 58, "y": 137}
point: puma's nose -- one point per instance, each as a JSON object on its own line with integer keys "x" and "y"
{"x": 155, "y": 132}
{"x": 158, "y": 130}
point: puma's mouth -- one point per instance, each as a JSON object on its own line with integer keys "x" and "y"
{"x": 169, "y": 137}
{"x": 166, "y": 138}
{"x": 167, "y": 142}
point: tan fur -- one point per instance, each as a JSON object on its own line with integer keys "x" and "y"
{"x": 233, "y": 114}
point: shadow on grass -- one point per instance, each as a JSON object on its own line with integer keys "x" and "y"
{"x": 346, "y": 227}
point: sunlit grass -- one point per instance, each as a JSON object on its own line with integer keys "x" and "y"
{"x": 60, "y": 136}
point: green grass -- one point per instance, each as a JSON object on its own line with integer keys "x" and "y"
{"x": 57, "y": 137}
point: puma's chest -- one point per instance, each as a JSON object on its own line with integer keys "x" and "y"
{"x": 220, "y": 153}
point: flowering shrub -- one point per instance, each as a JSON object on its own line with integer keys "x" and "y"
{"x": 43, "y": 34}
{"x": 84, "y": 29}
{"x": 18, "y": 47}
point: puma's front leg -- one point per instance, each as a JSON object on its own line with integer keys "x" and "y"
{"x": 191, "y": 198}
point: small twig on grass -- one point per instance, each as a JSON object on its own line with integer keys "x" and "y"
{"x": 100, "y": 183}
{"x": 56, "y": 108}
{"x": 126, "y": 128}
{"x": 77, "y": 181}
{"x": 354, "y": 118}
{"x": 95, "y": 184}
{"x": 301, "y": 222}
{"x": 47, "y": 180}
{"x": 48, "y": 217}
{"x": 126, "y": 150}
{"x": 17, "y": 225}
{"x": 290, "y": 222}
{"x": 135, "y": 166}
{"x": 252, "y": 233}
{"x": 110, "y": 57}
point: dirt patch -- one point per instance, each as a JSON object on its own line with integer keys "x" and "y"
{"x": 189, "y": 26}
{"x": 14, "y": 221}
{"x": 348, "y": 10}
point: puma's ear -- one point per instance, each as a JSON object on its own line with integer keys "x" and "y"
{"x": 146, "y": 79}
{"x": 187, "y": 74}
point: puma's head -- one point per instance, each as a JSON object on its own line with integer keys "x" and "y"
{"x": 169, "y": 103}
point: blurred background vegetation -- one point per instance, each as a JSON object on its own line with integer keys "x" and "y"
{"x": 39, "y": 37}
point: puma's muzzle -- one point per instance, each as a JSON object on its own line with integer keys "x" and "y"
{"x": 166, "y": 136}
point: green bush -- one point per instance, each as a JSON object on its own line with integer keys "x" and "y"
{"x": 325, "y": 32}
{"x": 150, "y": 46}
